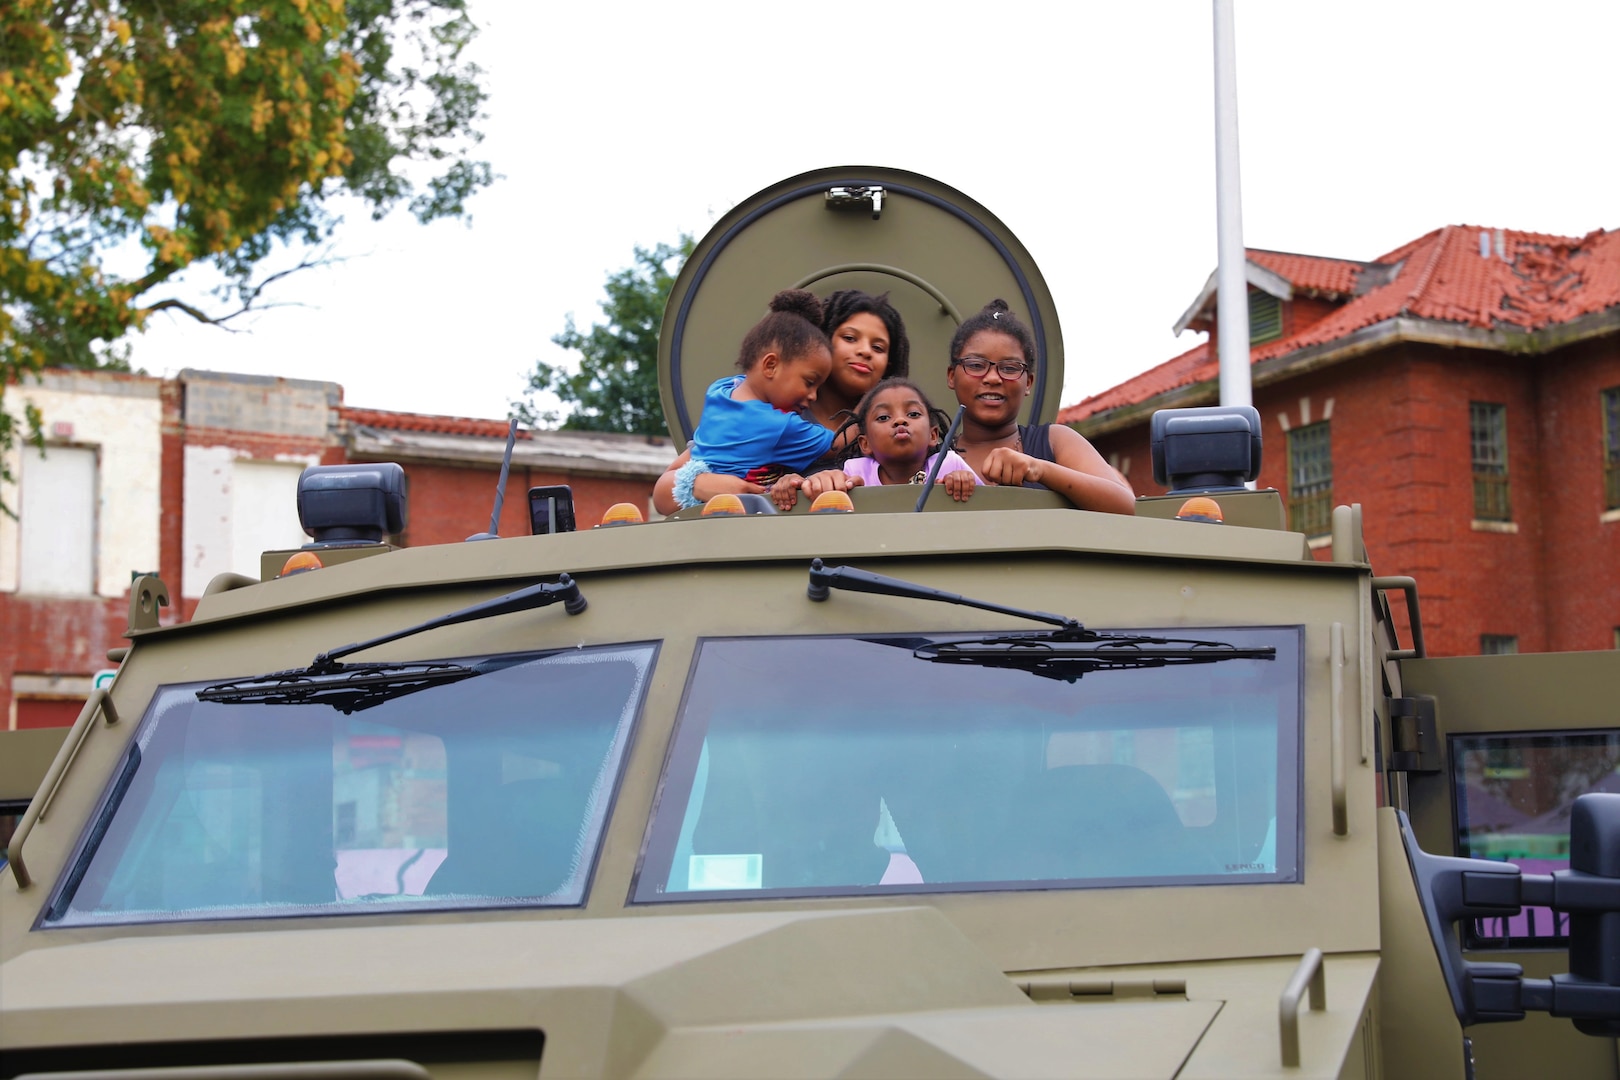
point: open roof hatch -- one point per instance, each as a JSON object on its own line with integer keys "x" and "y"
{"x": 938, "y": 254}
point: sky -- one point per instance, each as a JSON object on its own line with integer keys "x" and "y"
{"x": 1087, "y": 128}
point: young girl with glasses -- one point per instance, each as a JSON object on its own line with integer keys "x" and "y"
{"x": 992, "y": 369}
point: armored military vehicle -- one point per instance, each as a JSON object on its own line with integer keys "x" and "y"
{"x": 1000, "y": 788}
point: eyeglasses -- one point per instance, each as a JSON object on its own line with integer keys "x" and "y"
{"x": 979, "y": 367}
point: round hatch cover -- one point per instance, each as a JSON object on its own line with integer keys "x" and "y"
{"x": 938, "y": 254}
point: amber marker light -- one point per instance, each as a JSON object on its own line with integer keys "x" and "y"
{"x": 1200, "y": 508}
{"x": 832, "y": 502}
{"x": 724, "y": 505}
{"x": 300, "y": 561}
{"x": 624, "y": 514}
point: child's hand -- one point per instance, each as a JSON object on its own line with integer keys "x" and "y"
{"x": 830, "y": 480}
{"x": 785, "y": 492}
{"x": 959, "y": 484}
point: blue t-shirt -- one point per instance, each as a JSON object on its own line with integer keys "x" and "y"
{"x": 737, "y": 438}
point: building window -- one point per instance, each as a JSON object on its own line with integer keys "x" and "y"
{"x": 1611, "y": 449}
{"x": 1487, "y": 428}
{"x": 1498, "y": 645}
{"x": 1310, "y": 480}
{"x": 1265, "y": 317}
{"x": 56, "y": 510}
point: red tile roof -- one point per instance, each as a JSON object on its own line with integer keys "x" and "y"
{"x": 1527, "y": 281}
{"x": 442, "y": 425}
{"x": 1311, "y": 273}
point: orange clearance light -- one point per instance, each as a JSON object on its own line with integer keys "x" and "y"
{"x": 300, "y": 561}
{"x": 1200, "y": 508}
{"x": 832, "y": 502}
{"x": 724, "y": 505}
{"x": 623, "y": 514}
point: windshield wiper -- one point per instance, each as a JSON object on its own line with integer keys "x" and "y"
{"x": 348, "y": 688}
{"x": 351, "y": 687}
{"x": 1066, "y": 653}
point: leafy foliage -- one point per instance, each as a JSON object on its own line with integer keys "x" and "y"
{"x": 616, "y": 386}
{"x": 157, "y": 134}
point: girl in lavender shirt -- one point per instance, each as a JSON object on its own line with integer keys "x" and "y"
{"x": 897, "y": 433}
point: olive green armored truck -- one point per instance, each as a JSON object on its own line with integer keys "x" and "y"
{"x": 996, "y": 787}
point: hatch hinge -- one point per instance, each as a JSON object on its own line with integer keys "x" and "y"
{"x": 1414, "y": 736}
{"x": 1067, "y": 989}
{"x": 857, "y": 198}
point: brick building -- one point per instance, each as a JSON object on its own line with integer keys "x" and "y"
{"x": 1465, "y": 389}
{"x": 194, "y": 476}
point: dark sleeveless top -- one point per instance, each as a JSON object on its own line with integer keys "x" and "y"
{"x": 1037, "y": 440}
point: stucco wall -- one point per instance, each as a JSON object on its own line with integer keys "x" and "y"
{"x": 119, "y": 416}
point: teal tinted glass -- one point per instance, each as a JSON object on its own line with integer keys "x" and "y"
{"x": 886, "y": 773}
{"x": 488, "y": 791}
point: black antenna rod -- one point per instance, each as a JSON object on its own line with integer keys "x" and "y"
{"x": 944, "y": 448}
{"x": 500, "y": 487}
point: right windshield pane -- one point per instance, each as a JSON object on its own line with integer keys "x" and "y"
{"x": 843, "y": 765}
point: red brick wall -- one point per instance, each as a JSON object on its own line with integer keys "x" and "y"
{"x": 449, "y": 503}
{"x": 1580, "y": 552}
{"x": 1400, "y": 431}
{"x": 56, "y": 636}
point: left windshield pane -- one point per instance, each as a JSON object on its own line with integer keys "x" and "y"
{"x": 490, "y": 791}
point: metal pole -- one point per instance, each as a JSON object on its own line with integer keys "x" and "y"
{"x": 1232, "y": 288}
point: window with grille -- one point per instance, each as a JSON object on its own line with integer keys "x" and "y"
{"x": 1310, "y": 480}
{"x": 1611, "y": 449}
{"x": 1265, "y": 317}
{"x": 1487, "y": 428}
{"x": 1498, "y": 645}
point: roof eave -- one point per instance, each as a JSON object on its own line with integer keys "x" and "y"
{"x": 1360, "y": 342}
{"x": 1267, "y": 281}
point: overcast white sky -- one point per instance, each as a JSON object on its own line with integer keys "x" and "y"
{"x": 1087, "y": 127}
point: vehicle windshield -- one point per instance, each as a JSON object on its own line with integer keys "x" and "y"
{"x": 485, "y": 792}
{"x": 824, "y": 766}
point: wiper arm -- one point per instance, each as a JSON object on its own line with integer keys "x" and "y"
{"x": 852, "y": 579}
{"x": 1066, "y": 653}
{"x": 348, "y": 688}
{"x": 351, "y": 687}
{"x": 564, "y": 589}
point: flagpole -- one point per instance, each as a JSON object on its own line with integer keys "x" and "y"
{"x": 1232, "y": 290}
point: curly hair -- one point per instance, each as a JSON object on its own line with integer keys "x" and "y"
{"x": 792, "y": 329}
{"x": 841, "y": 306}
{"x": 998, "y": 317}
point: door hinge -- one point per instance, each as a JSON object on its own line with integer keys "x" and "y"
{"x": 1414, "y": 735}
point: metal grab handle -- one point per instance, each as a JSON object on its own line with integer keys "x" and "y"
{"x": 1409, "y": 587}
{"x": 377, "y": 1069}
{"x": 945, "y": 305}
{"x": 98, "y": 702}
{"x": 1341, "y": 816}
{"x": 1309, "y": 973}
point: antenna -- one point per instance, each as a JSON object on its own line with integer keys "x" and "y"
{"x": 500, "y": 487}
{"x": 939, "y": 459}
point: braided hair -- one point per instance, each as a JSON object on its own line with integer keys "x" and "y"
{"x": 841, "y": 306}
{"x": 997, "y": 317}
{"x": 792, "y": 329}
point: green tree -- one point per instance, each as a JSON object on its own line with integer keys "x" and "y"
{"x": 160, "y": 134}
{"x": 616, "y": 385}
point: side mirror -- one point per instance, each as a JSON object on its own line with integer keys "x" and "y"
{"x": 1452, "y": 889}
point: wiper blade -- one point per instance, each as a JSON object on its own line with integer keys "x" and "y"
{"x": 1053, "y": 655}
{"x": 1066, "y": 653}
{"x": 349, "y": 688}
{"x": 352, "y": 687}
